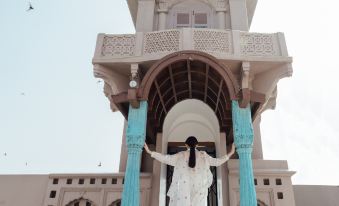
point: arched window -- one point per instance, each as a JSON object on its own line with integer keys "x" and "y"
{"x": 116, "y": 203}
{"x": 190, "y": 14}
{"x": 80, "y": 201}
{"x": 259, "y": 203}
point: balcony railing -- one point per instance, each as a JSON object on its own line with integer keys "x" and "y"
{"x": 220, "y": 43}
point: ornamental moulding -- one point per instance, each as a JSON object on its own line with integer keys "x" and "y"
{"x": 106, "y": 75}
{"x": 164, "y": 5}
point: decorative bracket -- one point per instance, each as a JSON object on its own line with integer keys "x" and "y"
{"x": 134, "y": 84}
{"x": 163, "y": 5}
{"x": 110, "y": 88}
{"x": 245, "y": 85}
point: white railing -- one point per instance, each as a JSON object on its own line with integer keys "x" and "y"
{"x": 161, "y": 42}
{"x": 118, "y": 45}
{"x": 212, "y": 41}
{"x": 220, "y": 43}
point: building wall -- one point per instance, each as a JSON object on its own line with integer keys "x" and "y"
{"x": 257, "y": 146}
{"x": 100, "y": 189}
{"x": 22, "y": 190}
{"x": 34, "y": 190}
{"x": 272, "y": 182}
{"x": 64, "y": 189}
{"x": 315, "y": 195}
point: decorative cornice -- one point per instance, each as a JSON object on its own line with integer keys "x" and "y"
{"x": 266, "y": 172}
{"x": 218, "y": 5}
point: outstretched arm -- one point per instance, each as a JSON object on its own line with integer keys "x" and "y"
{"x": 219, "y": 161}
{"x": 166, "y": 159}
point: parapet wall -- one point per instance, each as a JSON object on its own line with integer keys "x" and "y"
{"x": 315, "y": 195}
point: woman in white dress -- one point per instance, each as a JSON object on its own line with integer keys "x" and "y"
{"x": 192, "y": 175}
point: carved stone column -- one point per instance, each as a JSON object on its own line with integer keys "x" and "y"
{"x": 238, "y": 12}
{"x": 220, "y": 6}
{"x": 221, "y": 19}
{"x": 243, "y": 139}
{"x": 162, "y": 20}
{"x": 162, "y": 11}
{"x": 135, "y": 139}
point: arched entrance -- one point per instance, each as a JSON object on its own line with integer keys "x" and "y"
{"x": 81, "y": 202}
{"x": 175, "y": 78}
{"x": 208, "y": 86}
{"x": 186, "y": 118}
{"x": 116, "y": 203}
{"x": 188, "y": 75}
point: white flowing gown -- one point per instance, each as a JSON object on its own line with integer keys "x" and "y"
{"x": 190, "y": 185}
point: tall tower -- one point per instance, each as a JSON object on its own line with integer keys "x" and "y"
{"x": 193, "y": 68}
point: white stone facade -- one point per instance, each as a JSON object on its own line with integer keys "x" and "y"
{"x": 35, "y": 190}
{"x": 216, "y": 27}
{"x": 67, "y": 189}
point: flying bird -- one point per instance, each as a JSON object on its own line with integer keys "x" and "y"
{"x": 23, "y": 93}
{"x": 30, "y": 7}
{"x": 5, "y": 154}
{"x": 99, "y": 165}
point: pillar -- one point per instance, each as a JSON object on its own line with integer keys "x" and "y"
{"x": 123, "y": 151}
{"x": 135, "y": 139}
{"x": 257, "y": 145}
{"x": 238, "y": 12}
{"x": 224, "y": 173}
{"x": 221, "y": 19}
{"x": 156, "y": 174}
{"x": 243, "y": 139}
{"x": 162, "y": 20}
{"x": 145, "y": 16}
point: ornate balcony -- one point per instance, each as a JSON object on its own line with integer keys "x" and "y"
{"x": 223, "y": 44}
{"x": 257, "y": 60}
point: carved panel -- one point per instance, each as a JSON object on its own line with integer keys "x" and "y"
{"x": 119, "y": 45}
{"x": 256, "y": 44}
{"x": 212, "y": 41}
{"x": 163, "y": 41}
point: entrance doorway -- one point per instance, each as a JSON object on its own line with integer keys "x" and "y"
{"x": 212, "y": 198}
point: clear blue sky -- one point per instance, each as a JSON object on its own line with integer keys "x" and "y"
{"x": 63, "y": 122}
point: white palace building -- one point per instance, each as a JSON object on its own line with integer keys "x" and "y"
{"x": 191, "y": 68}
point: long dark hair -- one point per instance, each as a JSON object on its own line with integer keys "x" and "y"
{"x": 192, "y": 143}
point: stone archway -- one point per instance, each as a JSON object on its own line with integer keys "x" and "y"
{"x": 260, "y": 203}
{"x": 196, "y": 118}
{"x": 188, "y": 75}
{"x": 116, "y": 203}
{"x": 81, "y": 202}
